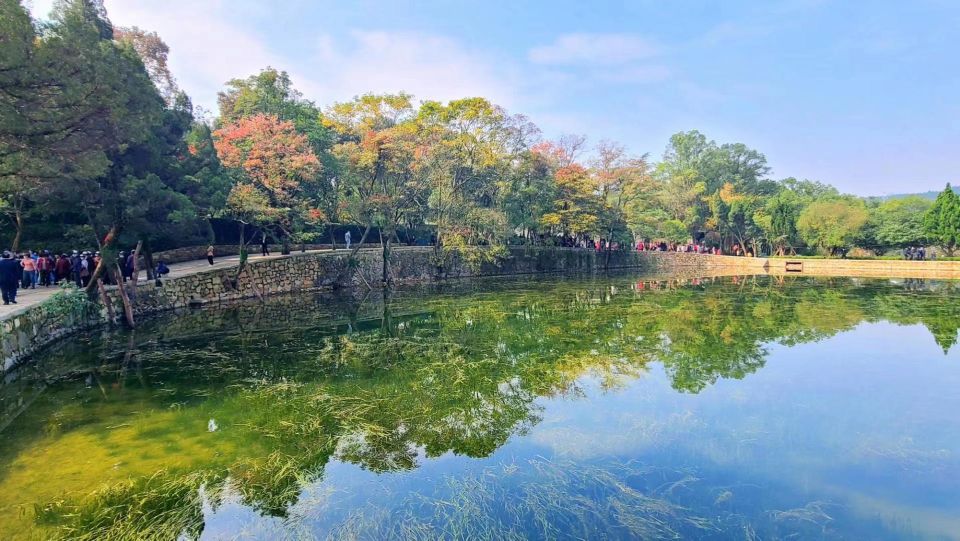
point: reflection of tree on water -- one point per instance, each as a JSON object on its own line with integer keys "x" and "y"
{"x": 291, "y": 388}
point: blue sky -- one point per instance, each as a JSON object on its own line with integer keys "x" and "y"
{"x": 863, "y": 95}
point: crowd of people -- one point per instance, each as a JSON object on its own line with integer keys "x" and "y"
{"x": 917, "y": 253}
{"x": 28, "y": 270}
{"x": 602, "y": 245}
{"x": 690, "y": 248}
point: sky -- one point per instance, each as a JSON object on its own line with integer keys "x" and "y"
{"x": 864, "y": 95}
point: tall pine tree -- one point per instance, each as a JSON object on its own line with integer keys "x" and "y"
{"x": 942, "y": 221}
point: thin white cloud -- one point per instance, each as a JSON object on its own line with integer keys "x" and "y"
{"x": 583, "y": 48}
{"x": 207, "y": 49}
{"x": 427, "y": 66}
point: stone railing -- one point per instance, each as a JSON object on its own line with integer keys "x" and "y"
{"x": 193, "y": 253}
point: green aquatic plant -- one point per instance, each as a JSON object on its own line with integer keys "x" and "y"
{"x": 384, "y": 383}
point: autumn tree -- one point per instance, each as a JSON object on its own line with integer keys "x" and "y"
{"x": 576, "y": 208}
{"x": 272, "y": 166}
{"x": 380, "y": 183}
{"x": 621, "y": 181}
{"x": 271, "y": 92}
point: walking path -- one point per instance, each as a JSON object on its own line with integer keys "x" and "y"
{"x": 26, "y": 298}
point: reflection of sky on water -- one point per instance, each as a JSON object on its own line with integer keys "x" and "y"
{"x": 559, "y": 393}
{"x": 860, "y": 425}
{"x": 868, "y": 416}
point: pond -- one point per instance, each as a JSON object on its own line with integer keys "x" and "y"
{"x": 616, "y": 407}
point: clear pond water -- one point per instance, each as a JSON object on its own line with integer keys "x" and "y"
{"x": 568, "y": 408}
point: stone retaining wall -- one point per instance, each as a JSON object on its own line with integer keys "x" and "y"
{"x": 865, "y": 268}
{"x": 23, "y": 333}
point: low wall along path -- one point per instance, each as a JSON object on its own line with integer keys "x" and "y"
{"x": 26, "y": 328}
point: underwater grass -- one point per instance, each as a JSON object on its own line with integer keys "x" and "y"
{"x": 463, "y": 379}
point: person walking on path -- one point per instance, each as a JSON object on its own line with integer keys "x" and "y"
{"x": 29, "y": 272}
{"x": 131, "y": 264}
{"x": 63, "y": 268}
{"x": 122, "y": 263}
{"x": 86, "y": 261}
{"x": 9, "y": 278}
{"x": 43, "y": 269}
{"x": 210, "y": 254}
{"x": 346, "y": 239}
{"x": 75, "y": 265}
{"x": 264, "y": 247}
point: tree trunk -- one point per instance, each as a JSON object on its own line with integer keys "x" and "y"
{"x": 106, "y": 301}
{"x": 385, "y": 242}
{"x": 18, "y": 223}
{"x": 148, "y": 260}
{"x": 127, "y": 306}
{"x": 108, "y": 241}
{"x": 136, "y": 263}
{"x": 356, "y": 249}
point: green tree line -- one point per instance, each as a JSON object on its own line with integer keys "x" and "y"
{"x": 99, "y": 146}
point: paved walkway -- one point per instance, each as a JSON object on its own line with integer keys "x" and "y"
{"x": 27, "y": 298}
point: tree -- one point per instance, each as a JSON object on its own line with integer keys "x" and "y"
{"x": 832, "y": 224}
{"x": 778, "y": 220}
{"x": 528, "y": 192}
{"x": 733, "y": 215}
{"x": 271, "y": 92}
{"x": 942, "y": 221}
{"x": 685, "y": 175}
{"x": 55, "y": 119}
{"x": 576, "y": 207}
{"x": 129, "y": 137}
{"x": 621, "y": 181}
{"x": 153, "y": 51}
{"x": 898, "y": 223}
{"x": 465, "y": 147}
{"x": 380, "y": 182}
{"x": 272, "y": 166}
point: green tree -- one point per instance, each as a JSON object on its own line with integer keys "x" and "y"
{"x": 898, "y": 223}
{"x": 778, "y": 220}
{"x": 833, "y": 224}
{"x": 466, "y": 148}
{"x": 942, "y": 221}
{"x": 527, "y": 193}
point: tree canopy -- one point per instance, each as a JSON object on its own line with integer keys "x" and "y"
{"x": 99, "y": 145}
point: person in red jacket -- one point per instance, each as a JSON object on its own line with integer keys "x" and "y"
{"x": 62, "y": 268}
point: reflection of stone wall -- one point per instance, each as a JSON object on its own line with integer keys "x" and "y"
{"x": 27, "y": 331}
{"x": 24, "y": 332}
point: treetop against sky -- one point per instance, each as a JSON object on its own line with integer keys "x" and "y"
{"x": 858, "y": 94}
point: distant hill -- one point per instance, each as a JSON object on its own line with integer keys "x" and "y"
{"x": 931, "y": 195}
